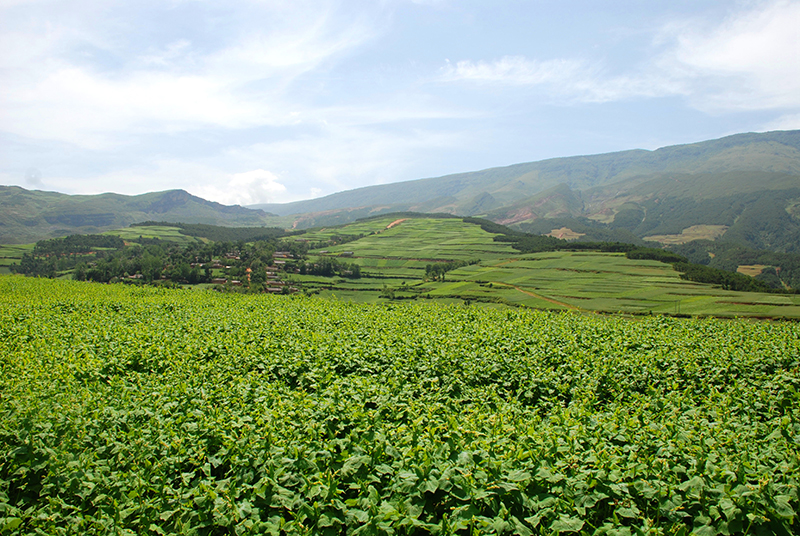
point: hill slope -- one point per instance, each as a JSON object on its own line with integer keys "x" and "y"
{"x": 465, "y": 193}
{"x": 28, "y": 216}
{"x": 746, "y": 186}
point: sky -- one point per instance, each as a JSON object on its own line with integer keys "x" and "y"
{"x": 272, "y": 101}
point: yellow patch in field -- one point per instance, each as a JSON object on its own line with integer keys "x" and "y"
{"x": 695, "y": 232}
{"x": 751, "y": 269}
{"x": 605, "y": 216}
{"x": 565, "y": 233}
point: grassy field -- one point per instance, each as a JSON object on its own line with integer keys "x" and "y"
{"x": 168, "y": 234}
{"x": 610, "y": 282}
{"x": 12, "y": 254}
{"x": 695, "y": 232}
{"x": 408, "y": 246}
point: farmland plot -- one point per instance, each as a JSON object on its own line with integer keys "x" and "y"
{"x": 142, "y": 410}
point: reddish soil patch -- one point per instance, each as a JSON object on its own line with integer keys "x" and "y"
{"x": 396, "y": 222}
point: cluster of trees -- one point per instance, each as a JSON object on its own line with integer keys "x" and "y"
{"x": 437, "y": 270}
{"x": 181, "y": 264}
{"x": 783, "y": 269}
{"x": 74, "y": 244}
{"x": 655, "y": 254}
{"x": 41, "y": 266}
{"x": 150, "y": 262}
{"x": 156, "y": 261}
{"x": 49, "y": 257}
{"x": 329, "y": 267}
{"x": 539, "y": 244}
{"x": 727, "y": 280}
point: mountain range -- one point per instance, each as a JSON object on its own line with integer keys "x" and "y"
{"x": 28, "y": 216}
{"x": 744, "y": 188}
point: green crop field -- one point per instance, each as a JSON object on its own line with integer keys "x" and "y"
{"x": 587, "y": 281}
{"x": 168, "y": 234}
{"x": 425, "y": 240}
{"x": 139, "y": 410}
{"x": 12, "y": 254}
{"x": 610, "y": 282}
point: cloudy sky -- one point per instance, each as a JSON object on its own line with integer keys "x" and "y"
{"x": 278, "y": 100}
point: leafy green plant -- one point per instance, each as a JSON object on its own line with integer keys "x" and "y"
{"x": 138, "y": 410}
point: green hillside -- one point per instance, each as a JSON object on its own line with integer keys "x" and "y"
{"x": 482, "y": 191}
{"x": 747, "y": 187}
{"x": 746, "y": 183}
{"x": 28, "y": 216}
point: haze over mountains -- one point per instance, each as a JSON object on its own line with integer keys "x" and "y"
{"x": 746, "y": 187}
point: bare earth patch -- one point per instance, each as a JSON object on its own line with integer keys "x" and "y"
{"x": 565, "y": 233}
{"x": 695, "y": 232}
{"x": 396, "y": 222}
{"x": 751, "y": 269}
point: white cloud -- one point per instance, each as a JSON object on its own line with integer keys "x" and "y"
{"x": 785, "y": 122}
{"x": 248, "y": 188}
{"x": 340, "y": 156}
{"x": 48, "y": 89}
{"x": 515, "y": 70}
{"x": 748, "y": 61}
{"x": 562, "y": 79}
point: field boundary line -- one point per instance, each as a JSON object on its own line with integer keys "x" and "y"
{"x": 539, "y": 296}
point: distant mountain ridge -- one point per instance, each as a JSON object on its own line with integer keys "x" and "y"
{"x": 28, "y": 216}
{"x": 777, "y": 152}
{"x": 744, "y": 187}
{"x": 749, "y": 183}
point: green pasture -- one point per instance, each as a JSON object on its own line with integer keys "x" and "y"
{"x": 426, "y": 240}
{"x": 12, "y": 254}
{"x": 581, "y": 281}
{"x": 610, "y": 282}
{"x": 168, "y": 234}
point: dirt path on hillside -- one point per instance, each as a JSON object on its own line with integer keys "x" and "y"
{"x": 396, "y": 222}
{"x": 539, "y": 296}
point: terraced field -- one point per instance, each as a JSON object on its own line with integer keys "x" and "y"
{"x": 11, "y": 254}
{"x": 393, "y": 254}
{"x": 168, "y": 234}
{"x": 395, "y": 259}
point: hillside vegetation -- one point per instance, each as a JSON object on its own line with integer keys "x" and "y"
{"x": 28, "y": 216}
{"x": 141, "y": 410}
{"x": 746, "y": 187}
{"x": 772, "y": 152}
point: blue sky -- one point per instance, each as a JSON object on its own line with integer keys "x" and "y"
{"x": 279, "y": 100}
